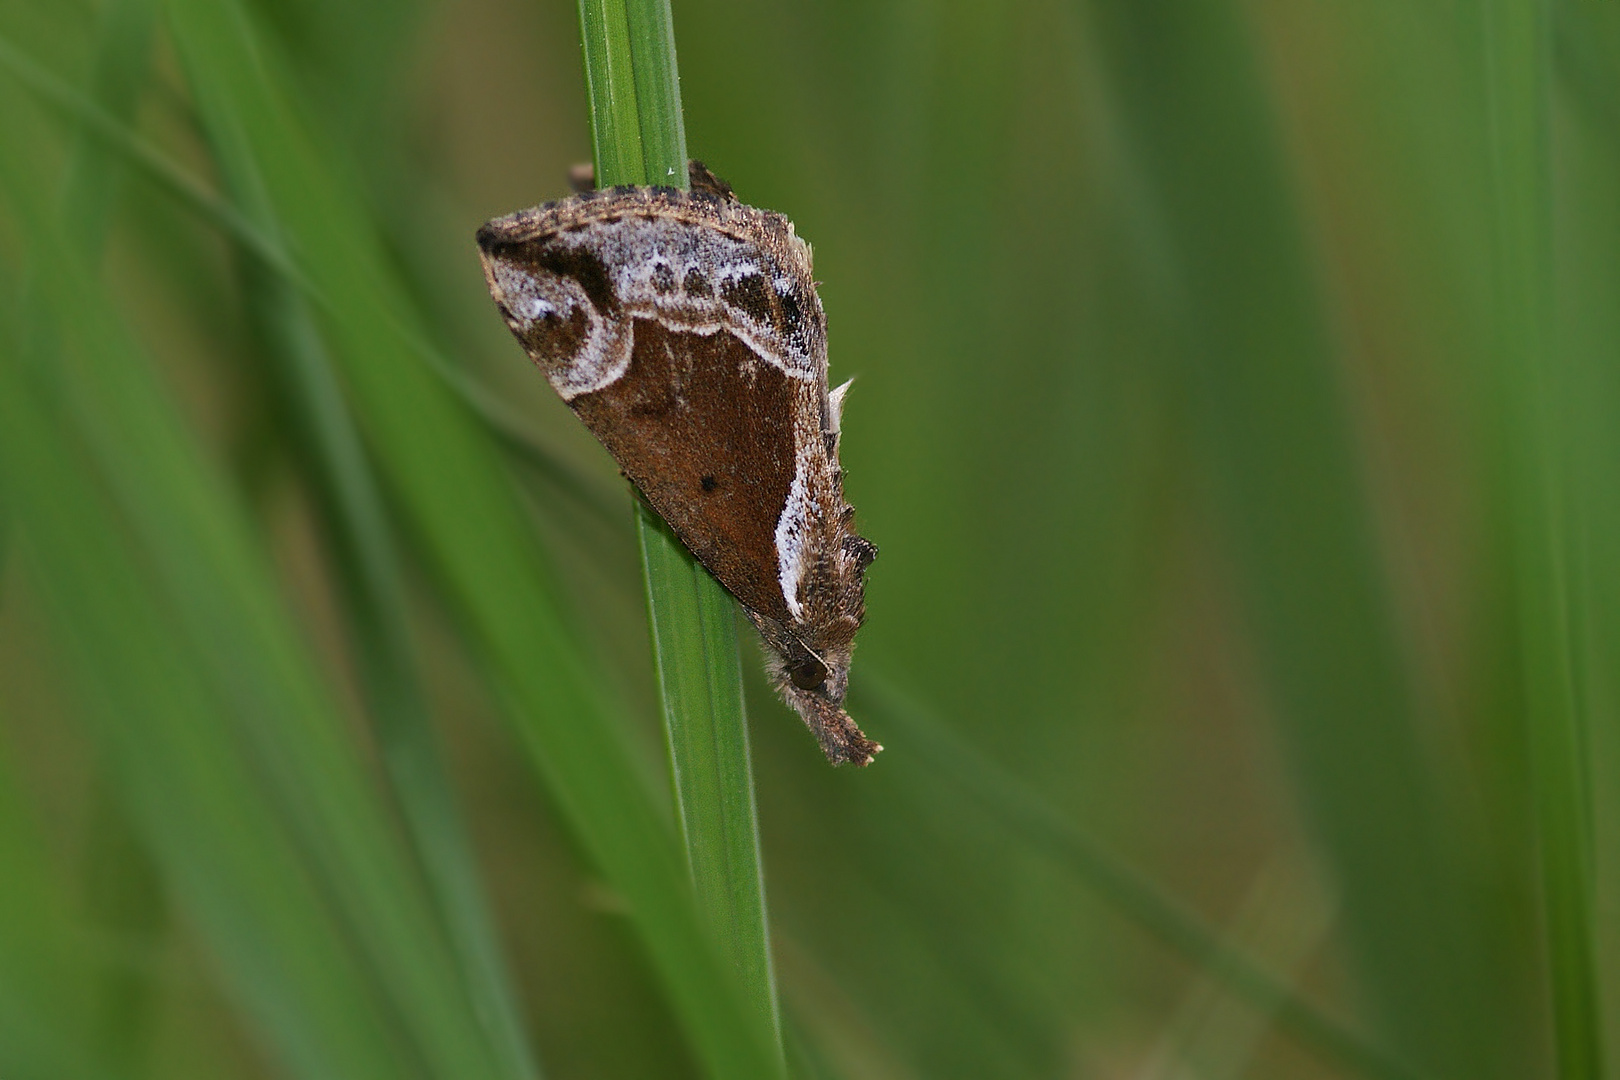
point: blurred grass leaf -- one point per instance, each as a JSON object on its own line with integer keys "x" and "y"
{"x": 1242, "y": 471}
{"x": 1535, "y": 378}
{"x": 1285, "y": 482}
{"x": 453, "y": 492}
{"x": 212, "y": 799}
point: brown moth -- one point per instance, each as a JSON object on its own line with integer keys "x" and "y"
{"x": 684, "y": 329}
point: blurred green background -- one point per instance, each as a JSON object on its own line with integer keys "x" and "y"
{"x": 1237, "y": 411}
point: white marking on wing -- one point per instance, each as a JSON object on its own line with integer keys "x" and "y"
{"x": 604, "y": 354}
{"x": 631, "y": 248}
{"x": 792, "y": 530}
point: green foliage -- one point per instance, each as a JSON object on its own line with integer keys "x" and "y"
{"x": 1236, "y": 413}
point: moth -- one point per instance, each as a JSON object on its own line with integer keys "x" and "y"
{"x": 684, "y": 329}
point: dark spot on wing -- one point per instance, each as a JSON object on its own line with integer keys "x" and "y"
{"x": 663, "y": 278}
{"x": 709, "y": 483}
{"x": 792, "y": 319}
{"x": 554, "y": 340}
{"x": 697, "y": 283}
{"x": 584, "y": 267}
{"x": 751, "y": 295}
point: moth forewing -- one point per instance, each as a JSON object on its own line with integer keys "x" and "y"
{"x": 684, "y": 329}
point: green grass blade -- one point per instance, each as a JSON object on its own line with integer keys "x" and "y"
{"x": 124, "y": 37}
{"x": 610, "y": 85}
{"x": 216, "y": 582}
{"x": 91, "y": 179}
{"x": 369, "y": 576}
{"x": 129, "y": 903}
{"x": 46, "y": 967}
{"x": 122, "y": 143}
{"x": 945, "y": 758}
{"x": 1282, "y": 462}
{"x": 660, "y": 118}
{"x": 367, "y": 569}
{"x": 637, "y": 129}
{"x": 639, "y": 137}
{"x": 1535, "y": 387}
{"x": 694, "y": 628}
{"x": 450, "y": 484}
{"x": 128, "y": 900}
{"x": 161, "y": 683}
{"x": 120, "y": 140}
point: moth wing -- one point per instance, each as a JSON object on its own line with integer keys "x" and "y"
{"x": 704, "y": 427}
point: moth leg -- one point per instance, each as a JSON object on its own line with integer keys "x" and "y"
{"x": 704, "y": 182}
{"x": 582, "y": 179}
